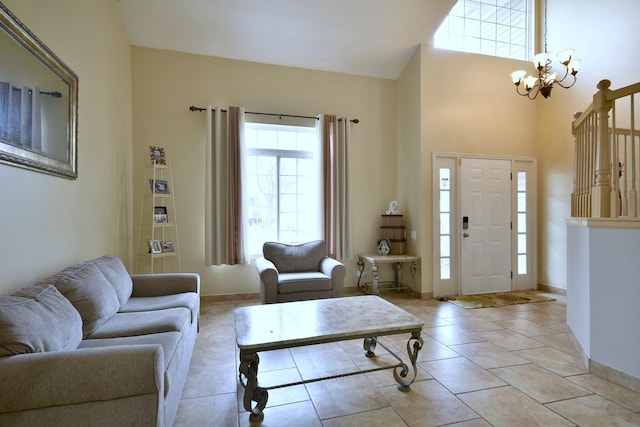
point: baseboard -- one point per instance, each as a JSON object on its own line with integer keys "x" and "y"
{"x": 604, "y": 371}
{"x": 229, "y": 297}
{"x": 552, "y": 289}
{"x": 582, "y": 355}
{"x": 615, "y": 376}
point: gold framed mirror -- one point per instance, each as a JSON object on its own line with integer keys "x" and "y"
{"x": 38, "y": 103}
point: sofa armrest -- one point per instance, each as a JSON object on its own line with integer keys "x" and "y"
{"x": 337, "y": 271}
{"x": 151, "y": 285}
{"x": 42, "y": 380}
{"x": 268, "y": 280}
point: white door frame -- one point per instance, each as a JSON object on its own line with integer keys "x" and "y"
{"x": 526, "y": 260}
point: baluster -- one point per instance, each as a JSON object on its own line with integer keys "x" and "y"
{"x": 633, "y": 193}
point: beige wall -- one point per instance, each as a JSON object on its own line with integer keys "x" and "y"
{"x": 467, "y": 106}
{"x": 444, "y": 102}
{"x": 410, "y": 158}
{"x": 47, "y": 222}
{"x": 165, "y": 85}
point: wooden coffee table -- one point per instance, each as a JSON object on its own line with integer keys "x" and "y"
{"x": 294, "y": 324}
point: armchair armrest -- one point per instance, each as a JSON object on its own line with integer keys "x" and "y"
{"x": 268, "y": 274}
{"x": 151, "y": 285}
{"x": 337, "y": 271}
{"x": 41, "y": 380}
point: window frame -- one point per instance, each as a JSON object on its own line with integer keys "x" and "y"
{"x": 279, "y": 154}
{"x": 458, "y": 30}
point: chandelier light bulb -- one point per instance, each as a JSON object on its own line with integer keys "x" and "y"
{"x": 541, "y": 60}
{"x": 517, "y": 76}
{"x": 565, "y": 55}
{"x": 530, "y": 82}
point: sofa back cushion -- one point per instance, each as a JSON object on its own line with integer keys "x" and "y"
{"x": 38, "y": 319}
{"x": 90, "y": 293}
{"x": 116, "y": 274}
{"x": 290, "y": 258}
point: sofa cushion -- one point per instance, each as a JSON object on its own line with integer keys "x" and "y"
{"x": 288, "y": 258}
{"x": 142, "y": 323}
{"x": 117, "y": 275}
{"x": 188, "y": 300}
{"x": 303, "y": 282}
{"x": 38, "y": 319}
{"x": 89, "y": 292}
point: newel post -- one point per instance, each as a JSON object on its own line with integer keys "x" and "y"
{"x": 601, "y": 192}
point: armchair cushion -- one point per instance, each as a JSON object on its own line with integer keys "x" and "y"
{"x": 290, "y": 258}
{"x": 303, "y": 282}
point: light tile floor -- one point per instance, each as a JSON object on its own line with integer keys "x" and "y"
{"x": 504, "y": 366}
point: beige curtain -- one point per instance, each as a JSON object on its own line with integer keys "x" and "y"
{"x": 335, "y": 134}
{"x": 223, "y": 186}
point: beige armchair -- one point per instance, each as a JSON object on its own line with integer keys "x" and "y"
{"x": 298, "y": 272}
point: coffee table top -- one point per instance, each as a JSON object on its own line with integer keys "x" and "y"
{"x": 290, "y": 324}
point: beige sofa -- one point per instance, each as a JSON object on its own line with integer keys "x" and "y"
{"x": 93, "y": 345}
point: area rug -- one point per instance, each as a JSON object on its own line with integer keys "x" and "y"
{"x": 497, "y": 299}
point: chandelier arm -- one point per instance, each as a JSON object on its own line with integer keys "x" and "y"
{"x": 568, "y": 86}
{"x": 534, "y": 91}
{"x": 566, "y": 73}
{"x": 527, "y": 93}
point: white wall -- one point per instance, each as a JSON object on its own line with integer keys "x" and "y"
{"x": 48, "y": 222}
{"x": 603, "y": 292}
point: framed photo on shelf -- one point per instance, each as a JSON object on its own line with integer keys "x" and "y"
{"x": 160, "y": 215}
{"x": 157, "y": 155}
{"x": 167, "y": 246}
{"x": 159, "y": 186}
{"x": 155, "y": 247}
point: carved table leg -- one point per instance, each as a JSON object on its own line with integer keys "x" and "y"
{"x": 413, "y": 347}
{"x": 369, "y": 346}
{"x": 252, "y": 392}
{"x": 363, "y": 286}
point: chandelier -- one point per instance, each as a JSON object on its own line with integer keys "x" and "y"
{"x": 532, "y": 85}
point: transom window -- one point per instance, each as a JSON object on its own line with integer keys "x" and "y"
{"x": 501, "y": 28}
{"x": 283, "y": 185}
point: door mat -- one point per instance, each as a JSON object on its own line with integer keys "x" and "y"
{"x": 497, "y": 299}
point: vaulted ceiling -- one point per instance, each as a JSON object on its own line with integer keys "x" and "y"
{"x": 365, "y": 37}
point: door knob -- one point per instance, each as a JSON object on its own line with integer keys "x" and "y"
{"x": 465, "y": 234}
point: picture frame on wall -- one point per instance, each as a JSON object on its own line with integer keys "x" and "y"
{"x": 160, "y": 215}
{"x": 159, "y": 186}
{"x": 155, "y": 247}
{"x": 157, "y": 155}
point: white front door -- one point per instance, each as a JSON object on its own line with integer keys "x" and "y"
{"x": 485, "y": 229}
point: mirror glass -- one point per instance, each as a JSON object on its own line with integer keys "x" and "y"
{"x": 38, "y": 103}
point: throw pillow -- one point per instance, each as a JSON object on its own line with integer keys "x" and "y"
{"x": 117, "y": 275}
{"x": 290, "y": 258}
{"x": 90, "y": 293}
{"x": 38, "y": 319}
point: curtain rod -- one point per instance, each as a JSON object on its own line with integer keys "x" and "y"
{"x": 193, "y": 108}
